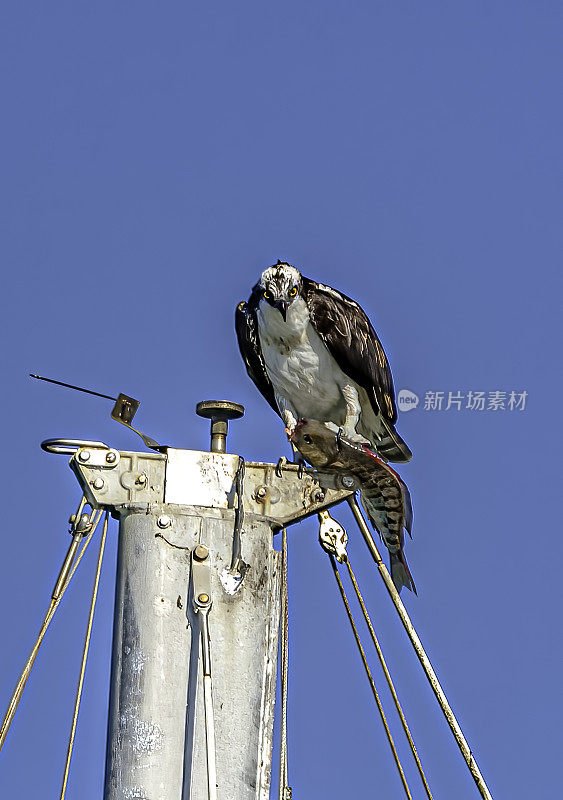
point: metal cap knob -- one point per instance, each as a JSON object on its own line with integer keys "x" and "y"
{"x": 219, "y": 412}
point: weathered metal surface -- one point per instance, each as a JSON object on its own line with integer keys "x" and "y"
{"x": 195, "y": 477}
{"x": 130, "y": 478}
{"x": 156, "y": 708}
{"x": 243, "y": 631}
{"x": 167, "y": 505}
{"x": 199, "y": 478}
{"x": 150, "y": 659}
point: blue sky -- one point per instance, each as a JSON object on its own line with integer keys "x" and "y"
{"x": 155, "y": 158}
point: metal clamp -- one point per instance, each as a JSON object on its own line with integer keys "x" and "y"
{"x": 232, "y": 578}
{"x": 80, "y": 525}
{"x": 201, "y": 587}
{"x": 66, "y": 447}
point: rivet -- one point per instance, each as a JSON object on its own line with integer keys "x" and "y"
{"x": 98, "y": 483}
{"x": 111, "y": 457}
{"x": 164, "y": 521}
{"x": 84, "y": 455}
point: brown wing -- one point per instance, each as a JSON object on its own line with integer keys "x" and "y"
{"x": 347, "y": 332}
{"x": 246, "y": 327}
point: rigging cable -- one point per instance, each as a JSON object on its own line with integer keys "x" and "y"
{"x": 84, "y": 656}
{"x": 369, "y": 675}
{"x": 389, "y": 679}
{"x": 61, "y": 586}
{"x": 285, "y": 792}
{"x": 421, "y": 653}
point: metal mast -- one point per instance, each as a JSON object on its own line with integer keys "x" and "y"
{"x": 196, "y": 612}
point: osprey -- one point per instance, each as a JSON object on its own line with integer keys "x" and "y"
{"x": 313, "y": 353}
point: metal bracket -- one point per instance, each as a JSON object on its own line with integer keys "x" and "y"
{"x": 332, "y": 536}
{"x": 201, "y": 588}
{"x": 97, "y": 457}
{"x": 201, "y": 582}
{"x": 123, "y": 411}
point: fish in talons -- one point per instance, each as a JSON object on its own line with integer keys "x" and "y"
{"x": 384, "y": 495}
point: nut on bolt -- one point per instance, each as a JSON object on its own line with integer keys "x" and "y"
{"x": 261, "y": 493}
{"x": 141, "y": 479}
{"x": 84, "y": 455}
{"x": 203, "y": 598}
{"x": 111, "y": 457}
{"x": 318, "y": 495}
{"x": 201, "y": 552}
{"x": 164, "y": 521}
{"x": 98, "y": 483}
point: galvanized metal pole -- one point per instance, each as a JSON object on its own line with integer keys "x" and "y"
{"x": 170, "y": 507}
{"x": 157, "y": 713}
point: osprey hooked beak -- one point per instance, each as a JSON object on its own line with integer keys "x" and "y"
{"x": 282, "y": 306}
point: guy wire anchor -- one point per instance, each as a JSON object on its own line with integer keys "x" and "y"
{"x": 201, "y": 587}
{"x": 332, "y": 536}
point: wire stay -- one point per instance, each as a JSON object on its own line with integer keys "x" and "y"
{"x": 389, "y": 680}
{"x": 56, "y": 598}
{"x": 370, "y": 677}
{"x": 420, "y": 652}
{"x": 84, "y": 657}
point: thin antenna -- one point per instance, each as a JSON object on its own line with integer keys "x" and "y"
{"x": 70, "y": 386}
{"x": 123, "y": 411}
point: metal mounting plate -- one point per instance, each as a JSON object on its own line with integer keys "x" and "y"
{"x": 201, "y": 478}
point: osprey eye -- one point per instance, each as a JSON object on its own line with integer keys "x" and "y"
{"x": 307, "y": 439}
{"x": 293, "y": 291}
{"x": 267, "y": 295}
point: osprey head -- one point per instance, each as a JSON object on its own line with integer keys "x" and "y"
{"x": 279, "y": 286}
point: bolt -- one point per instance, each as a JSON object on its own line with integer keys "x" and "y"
{"x": 98, "y": 483}
{"x": 141, "y": 479}
{"x": 111, "y": 457}
{"x": 261, "y": 492}
{"x": 201, "y": 552}
{"x": 347, "y": 481}
{"x": 318, "y": 495}
{"x": 203, "y": 598}
{"x": 84, "y": 455}
{"x": 164, "y": 521}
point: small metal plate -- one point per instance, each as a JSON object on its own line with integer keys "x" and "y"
{"x": 197, "y": 478}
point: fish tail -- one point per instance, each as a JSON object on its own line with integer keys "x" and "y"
{"x": 400, "y": 572}
{"x": 370, "y": 509}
